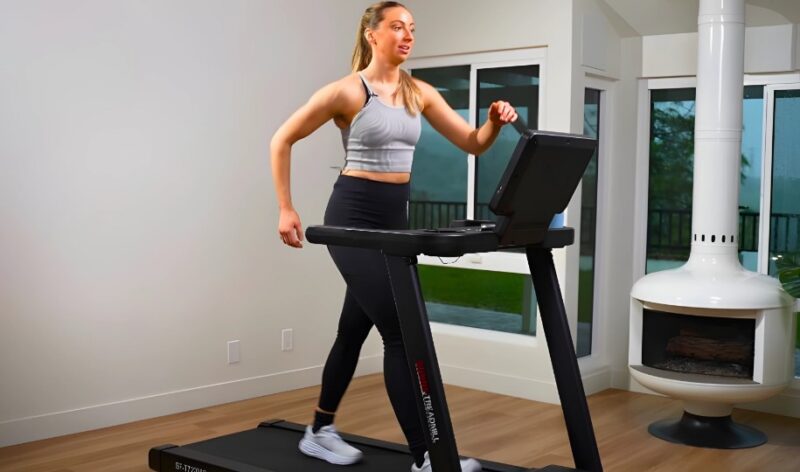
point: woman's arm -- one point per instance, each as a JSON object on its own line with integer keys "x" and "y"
{"x": 453, "y": 127}
{"x": 321, "y": 107}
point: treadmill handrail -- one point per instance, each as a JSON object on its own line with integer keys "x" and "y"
{"x": 445, "y": 242}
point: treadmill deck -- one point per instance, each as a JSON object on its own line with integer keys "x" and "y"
{"x": 272, "y": 447}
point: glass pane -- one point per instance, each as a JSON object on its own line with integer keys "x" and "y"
{"x": 750, "y": 184}
{"x": 518, "y": 85}
{"x": 669, "y": 221}
{"x": 784, "y": 234}
{"x": 670, "y": 187}
{"x": 439, "y": 182}
{"x": 591, "y": 127}
{"x": 498, "y": 301}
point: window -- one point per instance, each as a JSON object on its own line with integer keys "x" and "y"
{"x": 772, "y": 172}
{"x": 782, "y": 157}
{"x": 784, "y": 231}
{"x": 448, "y": 184}
{"x": 591, "y": 127}
{"x": 669, "y": 218}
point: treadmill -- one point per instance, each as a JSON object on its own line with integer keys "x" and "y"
{"x": 538, "y": 182}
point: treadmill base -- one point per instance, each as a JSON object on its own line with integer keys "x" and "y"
{"x": 266, "y": 449}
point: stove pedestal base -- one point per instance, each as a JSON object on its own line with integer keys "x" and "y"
{"x": 707, "y": 431}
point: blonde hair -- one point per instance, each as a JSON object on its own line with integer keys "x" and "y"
{"x": 362, "y": 55}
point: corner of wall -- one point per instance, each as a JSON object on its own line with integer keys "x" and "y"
{"x": 796, "y": 47}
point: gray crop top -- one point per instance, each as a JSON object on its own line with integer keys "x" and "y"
{"x": 381, "y": 137}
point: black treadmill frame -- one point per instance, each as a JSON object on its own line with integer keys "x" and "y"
{"x": 548, "y": 178}
{"x": 423, "y": 364}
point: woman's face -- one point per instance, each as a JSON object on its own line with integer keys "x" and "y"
{"x": 393, "y": 39}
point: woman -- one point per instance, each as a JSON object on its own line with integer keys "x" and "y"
{"x": 377, "y": 108}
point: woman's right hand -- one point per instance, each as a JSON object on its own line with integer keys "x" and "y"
{"x": 290, "y": 228}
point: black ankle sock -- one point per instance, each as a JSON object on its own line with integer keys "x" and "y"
{"x": 321, "y": 419}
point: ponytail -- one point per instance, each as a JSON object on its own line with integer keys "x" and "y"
{"x": 412, "y": 95}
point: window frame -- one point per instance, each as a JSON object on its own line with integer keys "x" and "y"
{"x": 643, "y": 152}
{"x": 766, "y": 170}
{"x": 495, "y": 261}
{"x": 599, "y": 347}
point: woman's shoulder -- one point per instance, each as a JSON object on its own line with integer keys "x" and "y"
{"x": 426, "y": 90}
{"x": 341, "y": 95}
{"x": 345, "y": 89}
{"x": 424, "y": 87}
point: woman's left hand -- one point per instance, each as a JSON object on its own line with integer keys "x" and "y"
{"x": 502, "y": 113}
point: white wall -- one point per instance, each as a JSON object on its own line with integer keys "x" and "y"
{"x": 612, "y": 63}
{"x": 137, "y": 214}
{"x": 618, "y": 239}
{"x": 768, "y": 49}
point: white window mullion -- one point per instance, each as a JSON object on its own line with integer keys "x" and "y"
{"x": 642, "y": 181}
{"x": 766, "y": 183}
{"x": 473, "y": 118}
{"x": 765, "y": 220}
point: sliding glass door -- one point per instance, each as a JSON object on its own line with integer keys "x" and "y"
{"x": 780, "y": 232}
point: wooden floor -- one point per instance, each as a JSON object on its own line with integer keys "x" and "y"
{"x": 490, "y": 426}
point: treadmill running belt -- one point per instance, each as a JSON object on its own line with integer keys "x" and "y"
{"x": 273, "y": 447}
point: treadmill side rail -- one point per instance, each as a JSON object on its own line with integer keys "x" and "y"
{"x": 154, "y": 456}
{"x": 443, "y": 242}
{"x": 183, "y": 459}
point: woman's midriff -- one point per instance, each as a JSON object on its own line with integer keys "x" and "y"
{"x": 386, "y": 177}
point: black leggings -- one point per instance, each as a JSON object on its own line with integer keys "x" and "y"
{"x": 368, "y": 301}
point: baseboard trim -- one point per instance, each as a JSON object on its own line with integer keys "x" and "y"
{"x": 786, "y": 403}
{"x": 503, "y": 384}
{"x": 33, "y": 428}
{"x": 595, "y": 379}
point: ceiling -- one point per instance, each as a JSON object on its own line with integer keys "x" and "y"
{"x": 653, "y": 17}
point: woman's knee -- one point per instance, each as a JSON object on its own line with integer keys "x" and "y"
{"x": 351, "y": 338}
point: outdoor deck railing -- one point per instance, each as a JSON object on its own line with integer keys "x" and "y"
{"x": 668, "y": 235}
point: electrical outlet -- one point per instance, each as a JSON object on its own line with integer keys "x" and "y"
{"x": 287, "y": 343}
{"x": 234, "y": 354}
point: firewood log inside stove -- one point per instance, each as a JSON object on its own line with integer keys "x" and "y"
{"x": 689, "y": 344}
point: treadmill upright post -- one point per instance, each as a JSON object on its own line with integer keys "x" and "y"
{"x": 565, "y": 362}
{"x": 434, "y": 415}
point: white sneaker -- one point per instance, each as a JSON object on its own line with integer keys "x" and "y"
{"x": 329, "y": 446}
{"x": 467, "y": 465}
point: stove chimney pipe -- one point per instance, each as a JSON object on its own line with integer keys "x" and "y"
{"x": 718, "y": 128}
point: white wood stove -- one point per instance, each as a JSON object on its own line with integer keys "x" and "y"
{"x": 710, "y": 332}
